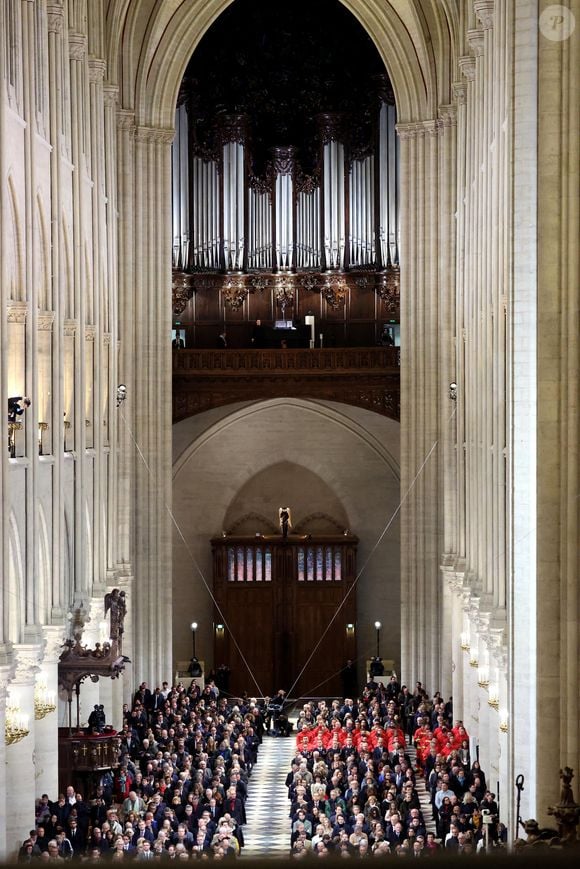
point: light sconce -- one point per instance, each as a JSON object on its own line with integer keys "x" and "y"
{"x": 193, "y": 627}
{"x": 121, "y": 394}
{"x": 44, "y": 700}
{"x": 474, "y": 662}
{"x": 453, "y": 391}
{"x": 464, "y": 639}
{"x": 493, "y": 699}
{"x": 16, "y": 725}
{"x": 219, "y": 628}
{"x": 483, "y": 676}
{"x": 42, "y": 427}
{"x": 503, "y": 721}
{"x": 350, "y": 629}
{"x": 378, "y": 630}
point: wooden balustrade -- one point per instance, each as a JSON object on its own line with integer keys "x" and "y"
{"x": 363, "y": 376}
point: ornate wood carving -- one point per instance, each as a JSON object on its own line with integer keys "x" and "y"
{"x": 181, "y": 291}
{"x": 331, "y": 127}
{"x": 365, "y": 377}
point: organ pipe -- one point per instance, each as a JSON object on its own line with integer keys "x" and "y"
{"x": 388, "y": 158}
{"x": 289, "y": 220}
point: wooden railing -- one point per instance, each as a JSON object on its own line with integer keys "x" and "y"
{"x": 364, "y": 376}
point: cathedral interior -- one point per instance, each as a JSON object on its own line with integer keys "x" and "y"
{"x": 289, "y": 335}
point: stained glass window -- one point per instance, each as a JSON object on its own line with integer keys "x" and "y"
{"x": 310, "y": 564}
{"x": 259, "y": 565}
{"x": 268, "y": 571}
{"x": 249, "y": 564}
{"x": 300, "y": 564}
{"x": 319, "y": 564}
{"x": 231, "y": 564}
{"x": 337, "y": 564}
{"x": 328, "y": 564}
{"x": 240, "y": 563}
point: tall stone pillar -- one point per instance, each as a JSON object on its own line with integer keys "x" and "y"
{"x": 150, "y": 322}
{"x": 20, "y": 757}
{"x": 46, "y": 729}
{"x": 427, "y": 362}
{"x": 6, "y": 673}
{"x": 558, "y": 372}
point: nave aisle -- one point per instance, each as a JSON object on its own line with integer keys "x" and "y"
{"x": 267, "y": 832}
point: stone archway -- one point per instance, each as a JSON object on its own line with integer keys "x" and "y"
{"x": 416, "y": 48}
{"x": 238, "y": 461}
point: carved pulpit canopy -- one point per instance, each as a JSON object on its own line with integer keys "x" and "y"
{"x": 77, "y": 661}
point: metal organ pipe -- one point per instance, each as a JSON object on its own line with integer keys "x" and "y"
{"x": 388, "y": 185}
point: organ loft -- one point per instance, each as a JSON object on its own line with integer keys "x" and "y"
{"x": 320, "y": 255}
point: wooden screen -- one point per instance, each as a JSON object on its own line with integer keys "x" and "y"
{"x": 276, "y": 598}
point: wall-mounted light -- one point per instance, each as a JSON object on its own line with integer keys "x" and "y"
{"x": 350, "y": 629}
{"x": 44, "y": 700}
{"x": 464, "y": 640}
{"x": 193, "y": 627}
{"x": 473, "y": 661}
{"x": 378, "y": 630}
{"x": 483, "y": 676}
{"x": 503, "y": 721}
{"x": 493, "y": 699}
{"x": 16, "y": 724}
{"x": 453, "y": 391}
{"x": 219, "y": 628}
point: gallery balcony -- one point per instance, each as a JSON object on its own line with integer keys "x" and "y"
{"x": 366, "y": 377}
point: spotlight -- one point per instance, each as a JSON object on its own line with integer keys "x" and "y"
{"x": 453, "y": 391}
{"x": 121, "y": 394}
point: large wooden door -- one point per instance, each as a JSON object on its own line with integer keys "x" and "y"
{"x": 282, "y": 610}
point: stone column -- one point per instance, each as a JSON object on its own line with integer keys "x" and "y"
{"x": 525, "y": 753}
{"x": 122, "y": 352}
{"x": 151, "y": 408}
{"x": 421, "y": 372}
{"x": 81, "y": 204}
{"x": 57, "y": 97}
{"x": 558, "y": 373}
{"x": 6, "y": 674}
{"x": 46, "y": 729}
{"x": 20, "y": 757}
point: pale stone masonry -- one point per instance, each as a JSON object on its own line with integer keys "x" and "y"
{"x": 488, "y": 559}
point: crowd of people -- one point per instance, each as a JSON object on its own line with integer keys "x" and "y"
{"x": 353, "y": 782}
{"x": 187, "y": 754}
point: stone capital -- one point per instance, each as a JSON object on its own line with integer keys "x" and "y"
{"x": 154, "y": 135}
{"x": 90, "y": 332}
{"x": 70, "y": 327}
{"x": 53, "y": 643}
{"x": 459, "y": 90}
{"x": 467, "y": 66}
{"x": 110, "y": 95}
{"x": 417, "y": 129}
{"x": 126, "y": 120}
{"x": 17, "y": 311}
{"x": 45, "y": 320}
{"x": 97, "y": 69}
{"x": 476, "y": 40}
{"x": 28, "y": 657}
{"x": 55, "y": 18}
{"x": 77, "y": 45}
{"x": 447, "y": 115}
{"x": 484, "y": 12}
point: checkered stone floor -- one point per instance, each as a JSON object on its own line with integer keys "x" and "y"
{"x": 267, "y": 833}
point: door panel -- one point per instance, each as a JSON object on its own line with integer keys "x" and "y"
{"x": 285, "y": 604}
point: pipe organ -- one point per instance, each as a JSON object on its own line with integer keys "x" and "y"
{"x": 342, "y": 214}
